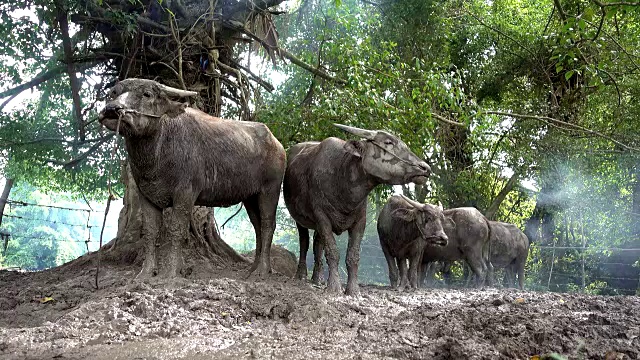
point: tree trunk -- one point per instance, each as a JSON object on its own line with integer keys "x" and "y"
{"x": 139, "y": 225}
{"x": 635, "y": 206}
{"x": 8, "y": 184}
{"x": 495, "y": 204}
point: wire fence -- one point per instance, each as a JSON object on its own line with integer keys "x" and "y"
{"x": 598, "y": 276}
{"x": 590, "y": 269}
{"x": 31, "y": 232}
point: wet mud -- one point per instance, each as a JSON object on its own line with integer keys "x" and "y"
{"x": 59, "y": 314}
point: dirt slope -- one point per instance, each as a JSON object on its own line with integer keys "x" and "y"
{"x": 227, "y": 317}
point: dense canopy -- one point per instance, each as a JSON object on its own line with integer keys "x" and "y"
{"x": 527, "y": 110}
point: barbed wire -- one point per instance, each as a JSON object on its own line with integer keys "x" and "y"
{"x": 51, "y": 238}
{"x": 24, "y": 203}
{"x": 586, "y": 248}
{"x": 50, "y": 221}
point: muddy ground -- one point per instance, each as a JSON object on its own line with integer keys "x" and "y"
{"x": 58, "y": 314}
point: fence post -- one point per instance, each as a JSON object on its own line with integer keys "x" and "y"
{"x": 584, "y": 247}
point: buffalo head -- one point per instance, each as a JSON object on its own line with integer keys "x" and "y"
{"x": 428, "y": 218}
{"x": 386, "y": 157}
{"x": 139, "y": 104}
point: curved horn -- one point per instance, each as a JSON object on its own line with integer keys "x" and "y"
{"x": 412, "y": 202}
{"x": 177, "y": 92}
{"x": 363, "y": 133}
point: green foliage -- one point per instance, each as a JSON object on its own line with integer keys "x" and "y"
{"x": 427, "y": 71}
{"x": 42, "y": 238}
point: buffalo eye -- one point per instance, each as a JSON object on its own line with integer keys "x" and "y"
{"x": 388, "y": 142}
{"x": 147, "y": 94}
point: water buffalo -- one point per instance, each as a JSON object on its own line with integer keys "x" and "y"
{"x": 326, "y": 186}
{"x": 468, "y": 232}
{"x": 404, "y": 228}
{"x": 181, "y": 157}
{"x": 509, "y": 250}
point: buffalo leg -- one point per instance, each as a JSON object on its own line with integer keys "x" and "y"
{"x": 152, "y": 220}
{"x": 478, "y": 267}
{"x": 422, "y": 273}
{"x": 318, "y": 250}
{"x": 267, "y": 206}
{"x": 520, "y": 263}
{"x": 303, "y": 233}
{"x": 174, "y": 232}
{"x": 325, "y": 234}
{"x": 253, "y": 212}
{"x": 414, "y": 262}
{"x": 353, "y": 254}
{"x": 404, "y": 280}
{"x": 393, "y": 267}
{"x": 446, "y": 272}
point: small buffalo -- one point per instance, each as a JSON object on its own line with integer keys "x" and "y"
{"x": 468, "y": 232}
{"x": 405, "y": 227}
{"x": 326, "y": 187}
{"x": 509, "y": 250}
{"x": 181, "y": 157}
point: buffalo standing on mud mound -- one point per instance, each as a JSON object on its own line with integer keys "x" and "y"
{"x": 509, "y": 250}
{"x": 181, "y": 157}
{"x": 326, "y": 186}
{"x": 405, "y": 227}
{"x": 468, "y": 232}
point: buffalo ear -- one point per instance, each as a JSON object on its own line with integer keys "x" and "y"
{"x": 354, "y": 147}
{"x": 449, "y": 222}
{"x": 407, "y": 215}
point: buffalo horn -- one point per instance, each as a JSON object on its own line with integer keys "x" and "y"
{"x": 177, "y": 92}
{"x": 365, "y": 134}
{"x": 413, "y": 203}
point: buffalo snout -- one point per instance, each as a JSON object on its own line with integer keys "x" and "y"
{"x": 424, "y": 167}
{"x": 441, "y": 239}
{"x": 113, "y": 107}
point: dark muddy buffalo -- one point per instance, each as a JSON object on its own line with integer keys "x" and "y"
{"x": 509, "y": 250}
{"x": 326, "y": 186}
{"x": 468, "y": 232}
{"x": 404, "y": 228}
{"x": 181, "y": 157}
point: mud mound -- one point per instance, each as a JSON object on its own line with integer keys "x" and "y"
{"x": 283, "y": 261}
{"x": 229, "y": 317}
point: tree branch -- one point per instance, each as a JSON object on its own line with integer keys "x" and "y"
{"x": 30, "y": 142}
{"x": 42, "y": 77}
{"x": 553, "y": 121}
{"x": 72, "y": 163}
{"x": 308, "y": 67}
{"x": 495, "y": 204}
{"x": 282, "y": 52}
{"x": 63, "y": 22}
{"x": 616, "y": 3}
{"x": 448, "y": 121}
{"x": 561, "y": 13}
{"x": 267, "y": 86}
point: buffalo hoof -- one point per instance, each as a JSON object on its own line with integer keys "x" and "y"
{"x": 259, "y": 270}
{"x": 334, "y": 287}
{"x": 301, "y": 273}
{"x": 352, "y": 290}
{"x": 316, "y": 280}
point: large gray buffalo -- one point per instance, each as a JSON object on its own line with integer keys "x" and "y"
{"x": 181, "y": 157}
{"x": 468, "y": 231}
{"x": 405, "y": 227}
{"x": 509, "y": 250}
{"x": 326, "y": 186}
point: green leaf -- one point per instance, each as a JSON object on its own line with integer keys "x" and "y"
{"x": 568, "y": 74}
{"x": 588, "y": 14}
{"x": 338, "y": 3}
